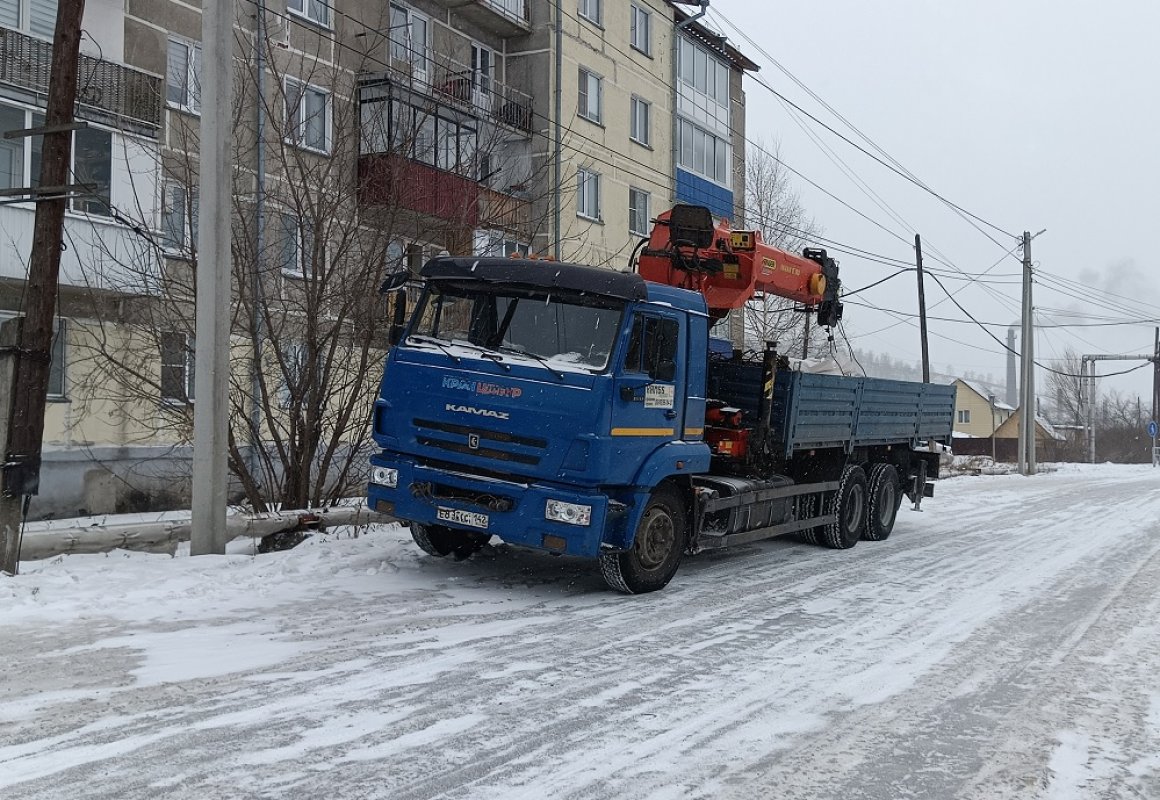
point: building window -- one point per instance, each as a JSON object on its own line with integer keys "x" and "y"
{"x": 93, "y": 165}
{"x": 314, "y": 10}
{"x": 703, "y": 153}
{"x": 588, "y": 194}
{"x": 178, "y": 218}
{"x": 296, "y": 248}
{"x": 639, "y": 124}
{"x": 498, "y": 243}
{"x": 409, "y": 39}
{"x": 307, "y": 116}
{"x": 177, "y": 351}
{"x": 592, "y": 10}
{"x": 638, "y": 212}
{"x": 11, "y": 150}
{"x": 590, "y": 95}
{"x": 58, "y": 365}
{"x": 965, "y": 417}
{"x": 183, "y": 76}
{"x": 640, "y": 29}
{"x": 482, "y": 72}
{"x": 37, "y": 17}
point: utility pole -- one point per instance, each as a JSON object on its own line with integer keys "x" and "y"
{"x": 922, "y": 310}
{"x": 25, "y": 425}
{"x": 212, "y": 362}
{"x": 1027, "y": 401}
{"x": 1156, "y": 378}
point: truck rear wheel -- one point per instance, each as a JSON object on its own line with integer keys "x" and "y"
{"x": 440, "y": 541}
{"x": 885, "y": 498}
{"x": 656, "y": 549}
{"x": 848, "y": 504}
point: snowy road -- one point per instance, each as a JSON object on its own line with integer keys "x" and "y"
{"x": 1005, "y": 643}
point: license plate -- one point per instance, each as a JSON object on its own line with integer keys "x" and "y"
{"x": 470, "y": 518}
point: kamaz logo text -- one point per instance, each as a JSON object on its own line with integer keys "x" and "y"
{"x": 478, "y": 412}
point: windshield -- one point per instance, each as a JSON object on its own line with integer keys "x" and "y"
{"x": 562, "y": 328}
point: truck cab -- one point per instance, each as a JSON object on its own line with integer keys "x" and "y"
{"x": 542, "y": 402}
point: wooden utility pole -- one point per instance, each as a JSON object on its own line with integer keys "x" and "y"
{"x": 922, "y": 310}
{"x": 21, "y": 471}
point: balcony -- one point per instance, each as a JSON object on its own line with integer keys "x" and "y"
{"x": 457, "y": 87}
{"x": 506, "y": 18}
{"x": 109, "y": 93}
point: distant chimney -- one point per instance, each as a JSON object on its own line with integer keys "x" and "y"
{"x": 1012, "y": 381}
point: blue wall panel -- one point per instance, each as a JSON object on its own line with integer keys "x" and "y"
{"x": 697, "y": 191}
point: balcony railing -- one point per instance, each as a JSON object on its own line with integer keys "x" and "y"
{"x": 457, "y": 86}
{"x": 505, "y": 17}
{"x": 106, "y": 92}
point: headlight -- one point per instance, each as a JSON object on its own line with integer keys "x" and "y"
{"x": 568, "y": 513}
{"x": 385, "y": 476}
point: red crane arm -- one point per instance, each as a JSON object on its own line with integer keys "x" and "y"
{"x": 732, "y": 269}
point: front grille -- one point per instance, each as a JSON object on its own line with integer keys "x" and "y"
{"x": 495, "y": 449}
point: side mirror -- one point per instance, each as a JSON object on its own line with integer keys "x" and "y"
{"x": 666, "y": 370}
{"x": 395, "y": 281}
{"x": 399, "y": 318}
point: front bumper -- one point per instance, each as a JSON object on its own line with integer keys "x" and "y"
{"x": 512, "y": 511}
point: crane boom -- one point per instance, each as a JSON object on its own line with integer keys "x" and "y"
{"x": 730, "y": 267}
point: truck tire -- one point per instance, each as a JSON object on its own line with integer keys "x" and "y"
{"x": 440, "y": 541}
{"x": 885, "y": 497}
{"x": 656, "y": 549}
{"x": 806, "y": 506}
{"x": 849, "y": 505}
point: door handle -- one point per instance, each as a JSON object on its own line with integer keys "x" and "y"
{"x": 670, "y": 414}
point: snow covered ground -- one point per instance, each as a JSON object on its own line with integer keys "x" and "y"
{"x": 1004, "y": 643}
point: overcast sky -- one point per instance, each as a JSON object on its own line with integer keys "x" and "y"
{"x": 1032, "y": 114}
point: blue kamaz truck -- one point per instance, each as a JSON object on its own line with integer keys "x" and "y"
{"x": 580, "y": 410}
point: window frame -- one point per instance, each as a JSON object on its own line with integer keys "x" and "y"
{"x": 303, "y": 235}
{"x": 635, "y": 194}
{"x": 591, "y": 11}
{"x": 964, "y": 416}
{"x": 296, "y": 129}
{"x": 637, "y": 103}
{"x": 586, "y": 80}
{"x": 588, "y": 193}
{"x": 187, "y": 228}
{"x": 418, "y": 58}
{"x": 186, "y": 365}
{"x": 24, "y": 18}
{"x": 637, "y": 12}
{"x": 304, "y": 12}
{"x": 191, "y": 102}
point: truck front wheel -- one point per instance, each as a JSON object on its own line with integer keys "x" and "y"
{"x": 885, "y": 497}
{"x": 656, "y": 549}
{"x": 848, "y": 504}
{"x": 439, "y": 540}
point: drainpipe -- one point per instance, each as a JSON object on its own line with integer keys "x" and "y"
{"x": 259, "y": 246}
{"x": 557, "y": 156}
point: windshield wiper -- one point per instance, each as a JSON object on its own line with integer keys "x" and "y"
{"x": 497, "y": 358}
{"x": 426, "y": 340}
{"x": 530, "y": 354}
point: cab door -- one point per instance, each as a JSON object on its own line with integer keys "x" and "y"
{"x": 649, "y": 395}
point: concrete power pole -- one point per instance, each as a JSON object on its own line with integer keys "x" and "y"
{"x": 1027, "y": 401}
{"x": 212, "y": 361}
{"x": 25, "y": 425}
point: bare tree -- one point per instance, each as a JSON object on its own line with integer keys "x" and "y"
{"x": 774, "y": 207}
{"x": 316, "y": 226}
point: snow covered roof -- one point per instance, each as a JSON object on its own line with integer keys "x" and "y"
{"x": 983, "y": 392}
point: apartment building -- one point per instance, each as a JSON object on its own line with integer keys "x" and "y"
{"x": 368, "y": 137}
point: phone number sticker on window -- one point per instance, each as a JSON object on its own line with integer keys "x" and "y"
{"x": 658, "y": 395}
